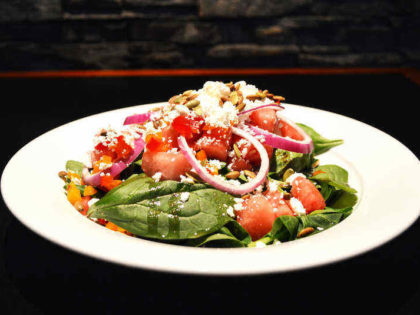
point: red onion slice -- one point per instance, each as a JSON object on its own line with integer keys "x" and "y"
{"x": 272, "y": 106}
{"x": 116, "y": 168}
{"x": 285, "y": 143}
{"x": 138, "y": 118}
{"x": 221, "y": 184}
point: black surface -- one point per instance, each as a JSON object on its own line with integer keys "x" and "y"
{"x": 37, "y": 276}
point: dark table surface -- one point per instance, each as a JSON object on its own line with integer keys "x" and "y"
{"x": 37, "y": 276}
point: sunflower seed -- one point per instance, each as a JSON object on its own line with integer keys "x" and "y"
{"x": 62, "y": 175}
{"x": 240, "y": 107}
{"x": 233, "y": 175}
{"x": 237, "y": 151}
{"x": 305, "y": 232}
{"x": 249, "y": 174}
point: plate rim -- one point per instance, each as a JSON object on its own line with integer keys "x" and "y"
{"x": 80, "y": 250}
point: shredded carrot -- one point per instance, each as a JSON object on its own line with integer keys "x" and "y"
{"x": 318, "y": 172}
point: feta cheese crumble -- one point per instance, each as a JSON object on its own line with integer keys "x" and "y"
{"x": 297, "y": 206}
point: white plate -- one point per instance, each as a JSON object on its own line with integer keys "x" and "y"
{"x": 383, "y": 170}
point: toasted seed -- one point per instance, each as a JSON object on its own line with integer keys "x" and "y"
{"x": 156, "y": 124}
{"x": 261, "y": 95}
{"x": 233, "y": 175}
{"x": 278, "y": 98}
{"x": 229, "y": 85}
{"x": 252, "y": 97}
{"x": 234, "y": 97}
{"x": 246, "y": 197}
{"x": 191, "y": 97}
{"x": 237, "y": 86}
{"x": 237, "y": 151}
{"x": 288, "y": 173}
{"x": 193, "y": 176}
{"x": 198, "y": 110}
{"x": 286, "y": 195}
{"x": 78, "y": 205}
{"x": 250, "y": 174}
{"x": 270, "y": 95}
{"x": 62, "y": 175}
{"x": 240, "y": 107}
{"x": 187, "y": 93}
{"x": 192, "y": 104}
{"x": 155, "y": 109}
{"x": 180, "y": 99}
{"x": 305, "y": 232}
{"x": 316, "y": 163}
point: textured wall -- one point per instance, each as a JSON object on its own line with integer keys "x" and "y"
{"x": 106, "y": 34}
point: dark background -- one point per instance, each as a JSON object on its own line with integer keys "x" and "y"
{"x": 124, "y": 34}
{"x": 37, "y": 276}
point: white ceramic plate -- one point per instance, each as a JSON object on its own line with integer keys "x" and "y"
{"x": 384, "y": 172}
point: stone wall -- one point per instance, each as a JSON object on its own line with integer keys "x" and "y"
{"x": 119, "y": 34}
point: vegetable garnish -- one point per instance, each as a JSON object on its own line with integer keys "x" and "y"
{"x": 215, "y": 167}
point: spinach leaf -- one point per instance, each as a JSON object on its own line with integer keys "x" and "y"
{"x": 284, "y": 228}
{"x": 74, "y": 167}
{"x": 282, "y": 160}
{"x": 216, "y": 240}
{"x": 158, "y": 211}
{"x": 321, "y": 144}
{"x": 333, "y": 175}
{"x": 342, "y": 199}
{"x": 230, "y": 235}
{"x": 321, "y": 220}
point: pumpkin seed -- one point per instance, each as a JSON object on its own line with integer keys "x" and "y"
{"x": 250, "y": 174}
{"x": 233, "y": 175}
{"x": 305, "y": 232}
{"x": 237, "y": 151}
{"x": 193, "y": 176}
{"x": 234, "y": 97}
{"x": 240, "y": 107}
{"x": 187, "y": 93}
{"x": 278, "y": 98}
{"x": 288, "y": 173}
{"x": 192, "y": 103}
{"x": 62, "y": 175}
{"x": 191, "y": 97}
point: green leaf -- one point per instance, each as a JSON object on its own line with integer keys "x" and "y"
{"x": 234, "y": 229}
{"x": 321, "y": 144}
{"x": 342, "y": 199}
{"x": 216, "y": 240}
{"x": 335, "y": 176}
{"x": 74, "y": 167}
{"x": 321, "y": 220}
{"x": 282, "y": 160}
{"x": 156, "y": 210}
{"x": 284, "y": 228}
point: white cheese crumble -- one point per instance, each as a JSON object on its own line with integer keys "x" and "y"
{"x": 273, "y": 186}
{"x": 92, "y": 201}
{"x": 184, "y": 196}
{"x": 157, "y": 176}
{"x": 260, "y": 244}
{"x": 297, "y": 206}
{"x": 186, "y": 180}
{"x": 292, "y": 177}
{"x": 230, "y": 212}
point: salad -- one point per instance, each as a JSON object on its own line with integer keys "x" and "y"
{"x": 221, "y": 166}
